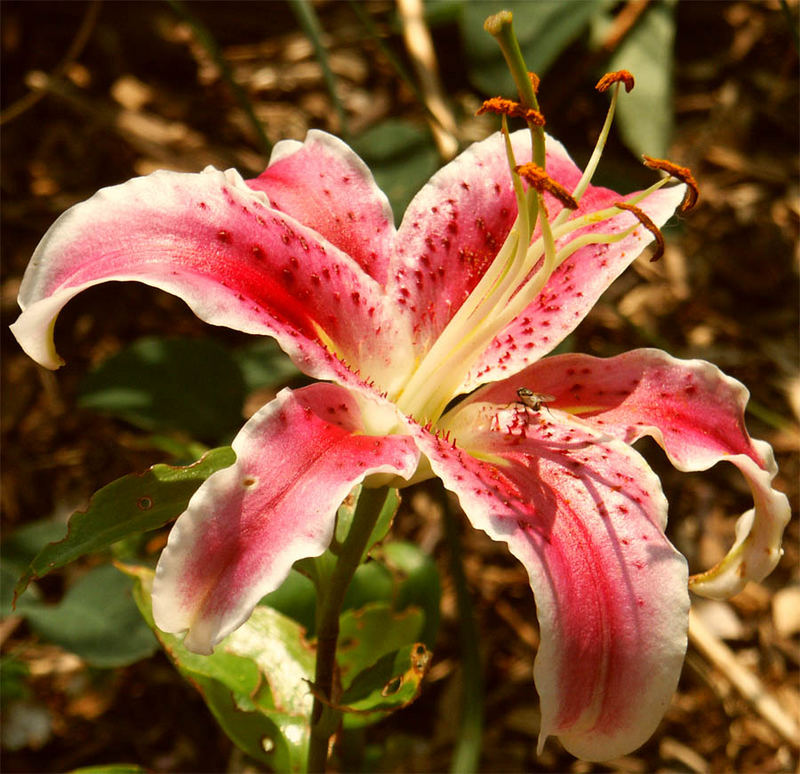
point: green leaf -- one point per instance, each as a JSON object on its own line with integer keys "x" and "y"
{"x": 544, "y": 29}
{"x": 263, "y": 363}
{"x": 97, "y": 620}
{"x": 645, "y": 116}
{"x": 131, "y": 504}
{"x": 250, "y": 730}
{"x": 418, "y": 584}
{"x": 16, "y": 553}
{"x": 193, "y": 385}
{"x": 295, "y": 598}
{"x": 402, "y": 157}
{"x": 372, "y": 582}
{"x": 256, "y": 682}
{"x": 393, "y": 682}
{"x": 370, "y": 633}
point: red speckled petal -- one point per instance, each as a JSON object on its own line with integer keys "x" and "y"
{"x": 297, "y": 459}
{"x": 325, "y": 185}
{"x": 454, "y": 227}
{"x": 574, "y": 287}
{"x": 218, "y": 245}
{"x": 696, "y": 413}
{"x": 585, "y": 516}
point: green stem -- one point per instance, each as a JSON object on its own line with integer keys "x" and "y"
{"x": 331, "y": 589}
{"x": 467, "y": 753}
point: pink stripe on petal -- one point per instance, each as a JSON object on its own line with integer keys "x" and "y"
{"x": 696, "y": 413}
{"x": 585, "y": 515}
{"x": 325, "y": 185}
{"x": 297, "y": 459}
{"x": 574, "y": 287}
{"x": 218, "y": 245}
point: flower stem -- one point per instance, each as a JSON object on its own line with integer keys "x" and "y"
{"x": 331, "y": 589}
{"x": 467, "y": 753}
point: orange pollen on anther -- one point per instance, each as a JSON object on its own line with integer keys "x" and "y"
{"x": 609, "y": 79}
{"x": 684, "y": 174}
{"x": 644, "y": 219}
{"x": 507, "y": 107}
{"x": 537, "y": 178}
{"x": 534, "y": 79}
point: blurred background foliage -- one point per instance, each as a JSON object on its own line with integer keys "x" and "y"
{"x": 94, "y": 93}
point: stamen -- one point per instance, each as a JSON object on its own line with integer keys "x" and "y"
{"x": 620, "y": 76}
{"x": 684, "y": 174}
{"x": 644, "y": 219}
{"x": 541, "y": 181}
{"x": 534, "y": 79}
{"x": 507, "y": 107}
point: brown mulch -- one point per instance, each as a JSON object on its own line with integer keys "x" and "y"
{"x": 143, "y": 94}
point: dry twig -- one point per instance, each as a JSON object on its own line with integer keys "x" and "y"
{"x": 748, "y": 684}
{"x": 420, "y": 48}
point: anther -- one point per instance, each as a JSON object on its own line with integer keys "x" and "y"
{"x": 507, "y": 107}
{"x": 684, "y": 174}
{"x": 534, "y": 79}
{"x": 644, "y": 219}
{"x": 619, "y": 76}
{"x": 541, "y": 181}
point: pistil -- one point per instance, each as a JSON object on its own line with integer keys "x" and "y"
{"x": 523, "y": 266}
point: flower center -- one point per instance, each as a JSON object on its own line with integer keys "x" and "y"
{"x": 536, "y": 246}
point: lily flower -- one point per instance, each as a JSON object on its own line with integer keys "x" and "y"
{"x": 496, "y": 261}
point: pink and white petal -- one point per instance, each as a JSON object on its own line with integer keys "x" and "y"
{"x": 574, "y": 287}
{"x": 696, "y": 413}
{"x": 323, "y": 183}
{"x": 219, "y": 246}
{"x": 453, "y": 229}
{"x": 297, "y": 459}
{"x": 585, "y": 515}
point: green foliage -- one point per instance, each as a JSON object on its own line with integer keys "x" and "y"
{"x": 295, "y": 598}
{"x": 645, "y": 116}
{"x": 262, "y": 363}
{"x": 544, "y": 29}
{"x": 97, "y": 620}
{"x": 392, "y": 682}
{"x": 16, "y": 553}
{"x": 13, "y": 679}
{"x": 255, "y": 683}
{"x": 402, "y": 158}
{"x": 192, "y": 385}
{"x": 344, "y": 518}
{"x": 258, "y": 682}
{"x": 128, "y": 506}
{"x": 417, "y": 584}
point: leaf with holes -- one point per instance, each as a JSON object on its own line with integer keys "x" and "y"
{"x": 393, "y": 682}
{"x": 130, "y": 505}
